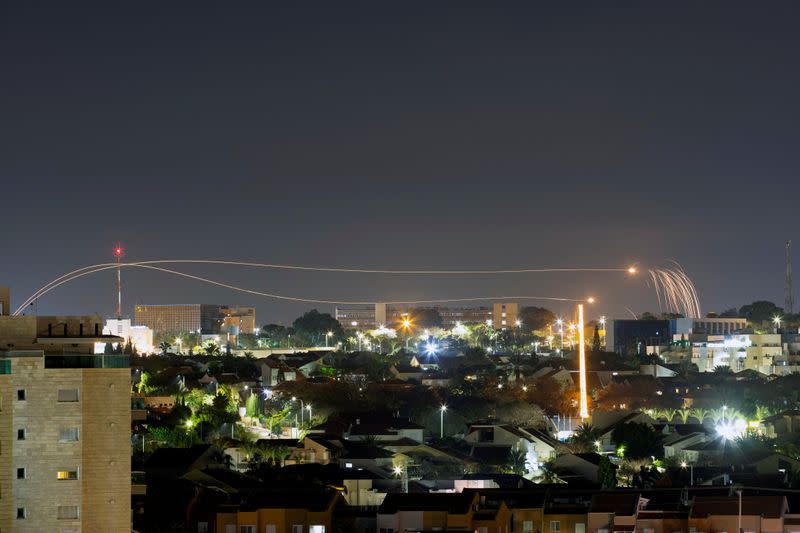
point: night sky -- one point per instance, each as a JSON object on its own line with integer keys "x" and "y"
{"x": 397, "y": 135}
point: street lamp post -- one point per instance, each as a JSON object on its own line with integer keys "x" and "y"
{"x": 560, "y": 323}
{"x": 441, "y": 421}
{"x": 328, "y": 335}
{"x": 739, "y": 492}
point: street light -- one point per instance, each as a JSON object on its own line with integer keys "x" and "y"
{"x": 328, "y": 335}
{"x": 691, "y": 472}
{"x": 310, "y": 416}
{"x": 442, "y": 409}
{"x": 777, "y": 321}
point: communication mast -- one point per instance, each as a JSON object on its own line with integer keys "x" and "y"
{"x": 118, "y": 253}
{"x": 789, "y": 297}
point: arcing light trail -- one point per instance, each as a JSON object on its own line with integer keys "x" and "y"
{"x": 91, "y": 269}
{"x": 676, "y": 291}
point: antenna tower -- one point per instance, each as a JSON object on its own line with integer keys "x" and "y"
{"x": 789, "y": 297}
{"x": 118, "y": 253}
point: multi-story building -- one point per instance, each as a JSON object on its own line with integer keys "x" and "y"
{"x": 243, "y": 319}
{"x": 365, "y": 317}
{"x": 361, "y": 317}
{"x": 203, "y": 318}
{"x": 505, "y": 315}
{"x": 762, "y": 353}
{"x": 64, "y": 427}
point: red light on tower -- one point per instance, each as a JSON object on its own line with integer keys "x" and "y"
{"x": 118, "y": 251}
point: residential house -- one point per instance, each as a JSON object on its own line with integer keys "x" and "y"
{"x": 537, "y": 445}
{"x": 284, "y": 511}
{"x": 759, "y": 514}
{"x": 440, "y": 511}
{"x": 614, "y": 512}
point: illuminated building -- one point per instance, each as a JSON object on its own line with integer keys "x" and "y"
{"x": 140, "y": 337}
{"x": 367, "y": 317}
{"x": 204, "y": 318}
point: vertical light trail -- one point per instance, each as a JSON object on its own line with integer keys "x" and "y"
{"x": 584, "y": 404}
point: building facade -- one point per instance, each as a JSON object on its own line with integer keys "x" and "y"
{"x": 64, "y": 427}
{"x": 205, "y": 318}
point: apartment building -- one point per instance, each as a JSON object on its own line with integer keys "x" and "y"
{"x": 64, "y": 427}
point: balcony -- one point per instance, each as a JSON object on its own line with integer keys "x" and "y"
{"x": 86, "y": 361}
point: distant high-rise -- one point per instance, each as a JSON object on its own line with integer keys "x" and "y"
{"x": 202, "y": 318}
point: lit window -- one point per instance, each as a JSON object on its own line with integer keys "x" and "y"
{"x": 67, "y": 474}
{"x": 555, "y": 525}
{"x": 316, "y": 529}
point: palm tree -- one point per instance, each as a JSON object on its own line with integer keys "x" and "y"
{"x": 684, "y": 414}
{"x": 586, "y": 436}
{"x": 699, "y": 413}
{"x": 667, "y": 414}
{"x": 164, "y": 346}
{"x": 516, "y": 462}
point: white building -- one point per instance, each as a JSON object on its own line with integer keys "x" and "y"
{"x": 140, "y": 337}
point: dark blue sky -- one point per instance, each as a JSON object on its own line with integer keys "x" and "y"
{"x": 399, "y": 135}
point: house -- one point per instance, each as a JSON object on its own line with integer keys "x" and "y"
{"x": 675, "y": 444}
{"x": 440, "y": 511}
{"x": 563, "y": 518}
{"x": 385, "y": 429}
{"x": 407, "y": 372}
{"x": 284, "y": 511}
{"x": 781, "y": 424}
{"x": 760, "y": 514}
{"x": 581, "y": 465}
{"x": 306, "y": 364}
{"x": 274, "y": 371}
{"x": 436, "y": 380}
{"x": 562, "y": 376}
{"x": 526, "y": 506}
{"x": 614, "y": 511}
{"x": 537, "y": 445}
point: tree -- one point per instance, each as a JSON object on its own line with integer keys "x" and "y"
{"x": 730, "y": 313}
{"x": 606, "y": 474}
{"x": 426, "y": 318}
{"x": 516, "y": 462}
{"x": 760, "y": 311}
{"x": 639, "y": 440}
{"x": 534, "y": 318}
{"x": 316, "y": 325}
{"x": 596, "y": 346}
{"x": 275, "y": 334}
{"x": 164, "y": 346}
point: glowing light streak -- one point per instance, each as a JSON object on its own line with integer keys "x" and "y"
{"x": 584, "y": 404}
{"x": 66, "y": 278}
{"x": 676, "y": 291}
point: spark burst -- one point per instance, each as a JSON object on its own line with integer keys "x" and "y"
{"x": 675, "y": 291}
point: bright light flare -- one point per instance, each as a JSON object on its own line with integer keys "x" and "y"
{"x": 431, "y": 348}
{"x": 590, "y": 299}
{"x": 732, "y": 430}
{"x": 632, "y": 270}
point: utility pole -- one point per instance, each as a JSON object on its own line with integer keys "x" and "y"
{"x": 789, "y": 297}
